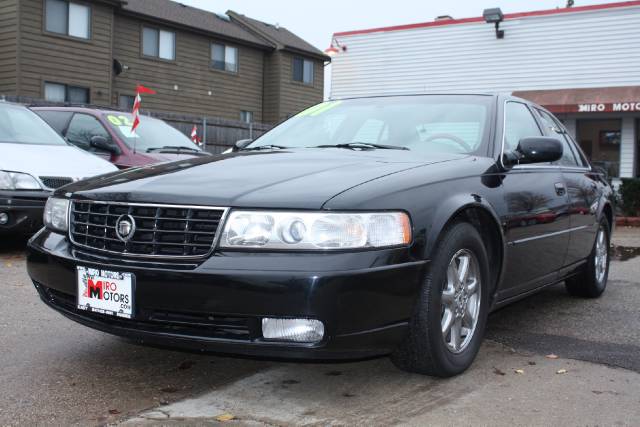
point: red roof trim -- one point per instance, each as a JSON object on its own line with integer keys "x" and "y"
{"x": 481, "y": 19}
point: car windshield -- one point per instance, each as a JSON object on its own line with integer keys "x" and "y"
{"x": 22, "y": 126}
{"x": 150, "y": 134}
{"x": 424, "y": 124}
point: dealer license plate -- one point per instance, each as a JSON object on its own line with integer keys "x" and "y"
{"x": 106, "y": 292}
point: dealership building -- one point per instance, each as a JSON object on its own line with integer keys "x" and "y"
{"x": 582, "y": 63}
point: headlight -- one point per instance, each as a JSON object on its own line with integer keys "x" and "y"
{"x": 18, "y": 181}
{"x": 315, "y": 230}
{"x": 56, "y": 213}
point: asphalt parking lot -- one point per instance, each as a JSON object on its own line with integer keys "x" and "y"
{"x": 53, "y": 371}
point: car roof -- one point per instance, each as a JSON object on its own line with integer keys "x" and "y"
{"x": 78, "y": 109}
{"x": 398, "y": 95}
{"x": 11, "y": 104}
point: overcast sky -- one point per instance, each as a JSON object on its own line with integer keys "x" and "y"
{"x": 316, "y": 21}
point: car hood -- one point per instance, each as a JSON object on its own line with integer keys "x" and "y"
{"x": 52, "y": 160}
{"x": 303, "y": 179}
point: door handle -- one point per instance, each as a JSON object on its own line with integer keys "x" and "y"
{"x": 561, "y": 189}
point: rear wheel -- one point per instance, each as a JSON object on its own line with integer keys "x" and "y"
{"x": 592, "y": 281}
{"x": 448, "y": 324}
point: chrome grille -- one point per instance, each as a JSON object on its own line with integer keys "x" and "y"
{"x": 169, "y": 231}
{"x": 55, "y": 181}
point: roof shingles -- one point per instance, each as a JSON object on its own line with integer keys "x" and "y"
{"x": 277, "y": 34}
{"x": 233, "y": 25}
{"x": 181, "y": 14}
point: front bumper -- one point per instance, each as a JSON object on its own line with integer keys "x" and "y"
{"x": 24, "y": 209}
{"x": 364, "y": 299}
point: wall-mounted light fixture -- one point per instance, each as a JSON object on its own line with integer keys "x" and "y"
{"x": 335, "y": 48}
{"x": 494, "y": 16}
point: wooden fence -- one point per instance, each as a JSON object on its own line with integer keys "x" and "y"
{"x": 218, "y": 134}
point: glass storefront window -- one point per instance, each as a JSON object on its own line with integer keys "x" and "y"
{"x": 600, "y": 140}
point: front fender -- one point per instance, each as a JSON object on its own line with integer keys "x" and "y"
{"x": 451, "y": 208}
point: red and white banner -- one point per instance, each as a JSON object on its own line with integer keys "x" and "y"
{"x": 194, "y": 135}
{"x": 136, "y": 105}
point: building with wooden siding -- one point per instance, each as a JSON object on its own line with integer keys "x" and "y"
{"x": 200, "y": 63}
{"x": 582, "y": 63}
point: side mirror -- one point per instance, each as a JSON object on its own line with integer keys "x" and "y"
{"x": 602, "y": 171}
{"x": 241, "y": 144}
{"x": 102, "y": 143}
{"x": 537, "y": 149}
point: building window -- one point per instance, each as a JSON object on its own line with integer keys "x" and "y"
{"x": 159, "y": 43}
{"x": 224, "y": 57}
{"x": 125, "y": 102}
{"x": 68, "y": 18}
{"x": 58, "y": 92}
{"x": 303, "y": 70}
{"x": 246, "y": 116}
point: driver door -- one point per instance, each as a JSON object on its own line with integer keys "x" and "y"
{"x": 536, "y": 205}
{"x": 82, "y": 128}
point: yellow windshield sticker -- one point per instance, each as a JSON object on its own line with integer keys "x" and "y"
{"x": 114, "y": 120}
{"x": 120, "y": 120}
{"x": 319, "y": 109}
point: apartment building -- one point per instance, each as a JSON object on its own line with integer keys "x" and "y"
{"x": 200, "y": 63}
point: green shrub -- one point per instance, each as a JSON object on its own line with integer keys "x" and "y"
{"x": 630, "y": 193}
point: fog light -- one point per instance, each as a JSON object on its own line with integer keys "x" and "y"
{"x": 297, "y": 330}
{"x": 4, "y": 218}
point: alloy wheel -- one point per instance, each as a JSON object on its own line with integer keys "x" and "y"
{"x": 460, "y": 302}
{"x": 601, "y": 255}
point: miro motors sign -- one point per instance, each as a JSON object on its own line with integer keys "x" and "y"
{"x": 610, "y": 107}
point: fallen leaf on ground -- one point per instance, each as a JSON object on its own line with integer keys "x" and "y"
{"x": 225, "y": 417}
{"x": 498, "y": 371}
{"x": 519, "y": 371}
{"x": 561, "y": 371}
{"x": 114, "y": 411}
{"x": 551, "y": 356}
{"x": 169, "y": 389}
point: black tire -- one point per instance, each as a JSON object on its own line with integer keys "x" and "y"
{"x": 586, "y": 284}
{"x": 424, "y": 349}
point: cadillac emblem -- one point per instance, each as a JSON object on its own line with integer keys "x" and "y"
{"x": 125, "y": 227}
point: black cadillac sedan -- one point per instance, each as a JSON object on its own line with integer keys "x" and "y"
{"x": 360, "y": 227}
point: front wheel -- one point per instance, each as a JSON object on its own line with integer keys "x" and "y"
{"x": 592, "y": 281}
{"x": 446, "y": 330}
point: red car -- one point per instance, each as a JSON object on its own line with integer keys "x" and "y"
{"x": 107, "y": 133}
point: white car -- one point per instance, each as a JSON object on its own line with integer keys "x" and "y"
{"x": 34, "y": 161}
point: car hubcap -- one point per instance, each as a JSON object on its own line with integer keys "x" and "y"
{"x": 602, "y": 253}
{"x": 460, "y": 306}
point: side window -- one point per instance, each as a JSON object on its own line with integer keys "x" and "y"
{"x": 56, "y": 119}
{"x": 82, "y": 128}
{"x": 581, "y": 158}
{"x": 553, "y": 128}
{"x": 519, "y": 123}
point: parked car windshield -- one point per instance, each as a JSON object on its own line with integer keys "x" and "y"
{"x": 425, "y": 124}
{"x": 21, "y": 125}
{"x": 150, "y": 134}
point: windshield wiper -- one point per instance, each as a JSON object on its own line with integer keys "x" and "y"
{"x": 363, "y": 145}
{"x": 172, "y": 147}
{"x": 265, "y": 147}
